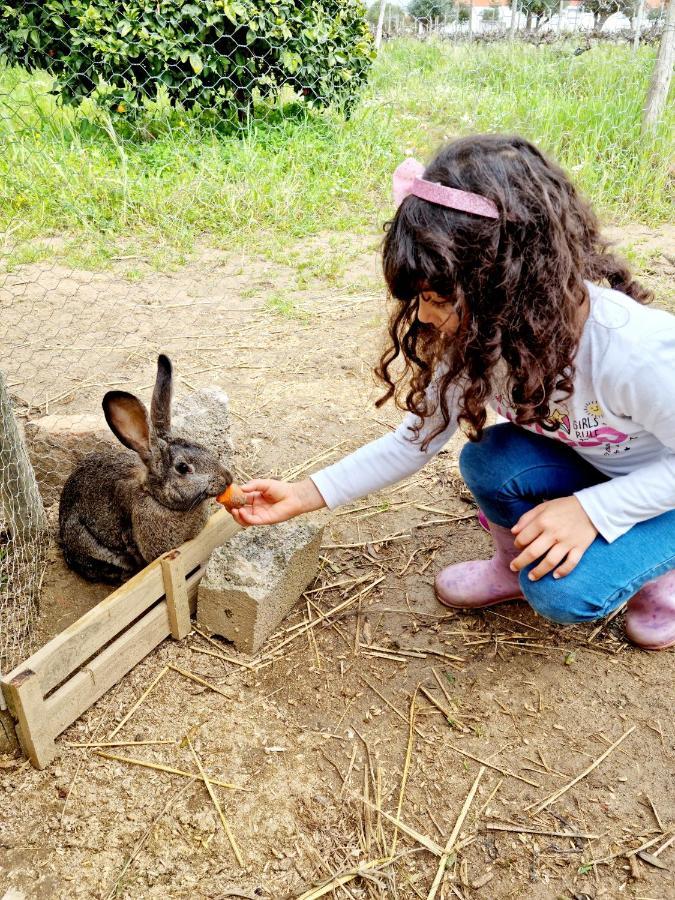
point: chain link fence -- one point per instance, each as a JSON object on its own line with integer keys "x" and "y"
{"x": 532, "y": 21}
{"x": 128, "y": 130}
{"x": 89, "y": 91}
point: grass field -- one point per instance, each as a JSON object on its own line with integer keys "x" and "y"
{"x": 296, "y": 172}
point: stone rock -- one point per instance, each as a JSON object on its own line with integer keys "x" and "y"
{"x": 204, "y": 417}
{"x": 57, "y": 444}
{"x": 252, "y": 582}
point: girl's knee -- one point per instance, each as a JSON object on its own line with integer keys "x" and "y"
{"x": 561, "y": 601}
{"x": 476, "y": 462}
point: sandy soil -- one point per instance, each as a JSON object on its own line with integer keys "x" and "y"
{"x": 314, "y": 738}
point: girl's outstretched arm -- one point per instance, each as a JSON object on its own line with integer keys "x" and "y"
{"x": 270, "y": 501}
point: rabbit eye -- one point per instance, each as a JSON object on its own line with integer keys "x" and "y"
{"x": 182, "y": 468}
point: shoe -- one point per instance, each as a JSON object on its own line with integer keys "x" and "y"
{"x": 485, "y": 582}
{"x": 650, "y": 616}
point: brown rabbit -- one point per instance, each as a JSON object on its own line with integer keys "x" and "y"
{"x": 119, "y": 510}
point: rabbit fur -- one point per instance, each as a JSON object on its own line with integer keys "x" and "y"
{"x": 120, "y": 509}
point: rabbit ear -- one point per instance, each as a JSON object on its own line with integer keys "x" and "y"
{"x": 160, "y": 408}
{"x": 128, "y": 421}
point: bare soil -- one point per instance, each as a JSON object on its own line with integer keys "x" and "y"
{"x": 316, "y": 741}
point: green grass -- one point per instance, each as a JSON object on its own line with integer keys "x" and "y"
{"x": 286, "y": 307}
{"x": 296, "y": 173}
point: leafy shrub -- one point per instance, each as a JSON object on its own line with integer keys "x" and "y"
{"x": 210, "y": 53}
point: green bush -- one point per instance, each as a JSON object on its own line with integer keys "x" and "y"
{"x": 212, "y": 53}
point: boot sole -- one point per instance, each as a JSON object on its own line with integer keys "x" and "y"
{"x": 477, "y": 605}
{"x": 652, "y": 647}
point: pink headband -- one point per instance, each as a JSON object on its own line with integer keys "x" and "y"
{"x": 408, "y": 180}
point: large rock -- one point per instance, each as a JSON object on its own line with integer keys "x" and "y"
{"x": 252, "y": 582}
{"x": 204, "y": 417}
{"x": 58, "y": 443}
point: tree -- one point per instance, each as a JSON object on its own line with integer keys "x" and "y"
{"x": 538, "y": 11}
{"x": 603, "y": 9}
{"x": 392, "y": 9}
{"x": 430, "y": 10}
{"x": 218, "y": 55}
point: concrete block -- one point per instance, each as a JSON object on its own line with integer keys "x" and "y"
{"x": 204, "y": 417}
{"x": 58, "y": 443}
{"x": 252, "y": 582}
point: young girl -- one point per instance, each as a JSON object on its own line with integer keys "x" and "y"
{"x": 506, "y": 296}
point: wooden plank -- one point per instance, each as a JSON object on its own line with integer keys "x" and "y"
{"x": 178, "y": 605}
{"x": 68, "y": 650}
{"x": 40, "y": 720}
{"x": 82, "y": 690}
{"x": 24, "y": 698}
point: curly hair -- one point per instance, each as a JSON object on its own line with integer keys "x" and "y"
{"x": 517, "y": 282}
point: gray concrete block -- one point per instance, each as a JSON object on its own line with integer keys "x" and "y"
{"x": 58, "y": 443}
{"x": 204, "y": 417}
{"x": 252, "y": 582}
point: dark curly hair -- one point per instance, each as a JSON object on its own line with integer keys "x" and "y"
{"x": 518, "y": 282}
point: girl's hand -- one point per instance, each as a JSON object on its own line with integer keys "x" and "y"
{"x": 270, "y": 501}
{"x": 559, "y": 530}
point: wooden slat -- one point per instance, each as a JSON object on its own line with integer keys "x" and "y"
{"x": 75, "y": 696}
{"x": 40, "y": 720}
{"x": 69, "y": 649}
{"x": 178, "y": 605}
{"x": 25, "y": 702}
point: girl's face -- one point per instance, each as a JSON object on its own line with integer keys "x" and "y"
{"x": 439, "y": 312}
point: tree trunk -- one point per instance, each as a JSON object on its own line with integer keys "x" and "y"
{"x": 380, "y": 22}
{"x": 514, "y": 19}
{"x": 560, "y": 16}
{"x": 470, "y": 20}
{"x": 528, "y": 23}
{"x": 638, "y": 25}
{"x": 19, "y": 495}
{"x": 661, "y": 77}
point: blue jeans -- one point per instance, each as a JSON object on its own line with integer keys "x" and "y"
{"x": 511, "y": 470}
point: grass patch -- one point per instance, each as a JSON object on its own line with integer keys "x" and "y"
{"x": 26, "y": 254}
{"x": 67, "y": 171}
{"x": 286, "y": 307}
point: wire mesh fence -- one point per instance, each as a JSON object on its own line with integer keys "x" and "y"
{"x": 129, "y": 132}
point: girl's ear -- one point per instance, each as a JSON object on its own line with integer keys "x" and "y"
{"x": 128, "y": 421}
{"x": 160, "y": 407}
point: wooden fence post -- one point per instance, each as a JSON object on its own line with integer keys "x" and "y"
{"x": 19, "y": 494}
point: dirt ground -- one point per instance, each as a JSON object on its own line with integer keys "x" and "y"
{"x": 317, "y": 742}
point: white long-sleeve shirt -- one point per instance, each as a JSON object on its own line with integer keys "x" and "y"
{"x": 620, "y": 417}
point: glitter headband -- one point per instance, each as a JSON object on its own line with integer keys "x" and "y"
{"x": 408, "y": 180}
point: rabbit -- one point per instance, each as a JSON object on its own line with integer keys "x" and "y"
{"x": 120, "y": 509}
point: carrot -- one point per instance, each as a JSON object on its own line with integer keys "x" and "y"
{"x": 232, "y": 498}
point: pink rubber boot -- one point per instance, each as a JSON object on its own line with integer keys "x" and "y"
{"x": 485, "y": 582}
{"x": 650, "y": 616}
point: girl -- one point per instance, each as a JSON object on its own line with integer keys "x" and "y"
{"x": 506, "y": 296}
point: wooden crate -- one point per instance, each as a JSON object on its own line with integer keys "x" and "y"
{"x": 52, "y": 688}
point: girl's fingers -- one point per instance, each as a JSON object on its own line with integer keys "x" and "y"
{"x": 257, "y": 484}
{"x": 533, "y": 551}
{"x": 570, "y": 563}
{"x": 525, "y": 519}
{"x": 549, "y": 562}
{"x": 524, "y": 538}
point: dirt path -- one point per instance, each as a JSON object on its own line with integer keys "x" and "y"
{"x": 292, "y": 339}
